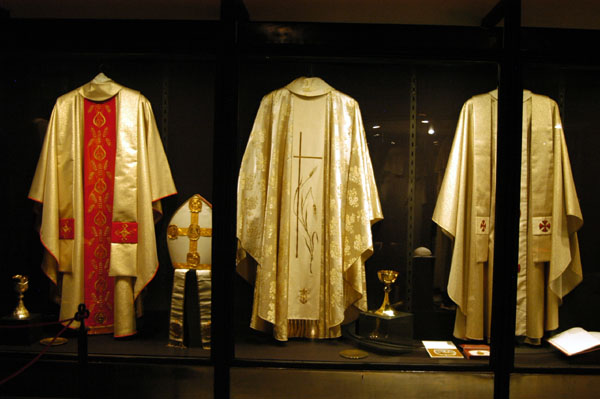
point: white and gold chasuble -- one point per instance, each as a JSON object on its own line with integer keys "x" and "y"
{"x": 549, "y": 263}
{"x": 141, "y": 177}
{"x": 306, "y": 202}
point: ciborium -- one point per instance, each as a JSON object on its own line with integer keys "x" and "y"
{"x": 21, "y": 286}
{"x": 387, "y": 277}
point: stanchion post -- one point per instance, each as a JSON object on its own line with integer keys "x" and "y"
{"x": 82, "y": 348}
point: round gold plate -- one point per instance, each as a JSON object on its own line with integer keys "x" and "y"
{"x": 57, "y": 341}
{"x": 353, "y": 354}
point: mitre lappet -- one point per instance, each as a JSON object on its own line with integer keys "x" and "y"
{"x": 189, "y": 238}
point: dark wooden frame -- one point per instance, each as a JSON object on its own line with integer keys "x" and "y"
{"x": 235, "y": 38}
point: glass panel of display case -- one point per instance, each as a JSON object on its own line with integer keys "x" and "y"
{"x": 410, "y": 113}
{"x": 569, "y": 332}
{"x": 178, "y": 97}
{"x": 561, "y": 317}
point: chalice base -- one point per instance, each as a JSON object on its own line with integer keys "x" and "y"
{"x": 396, "y": 329}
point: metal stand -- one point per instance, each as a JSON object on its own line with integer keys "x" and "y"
{"x": 82, "y": 348}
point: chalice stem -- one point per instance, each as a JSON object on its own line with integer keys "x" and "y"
{"x": 21, "y": 311}
{"x": 386, "y": 300}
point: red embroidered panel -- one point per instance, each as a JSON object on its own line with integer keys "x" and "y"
{"x": 66, "y": 229}
{"x": 125, "y": 232}
{"x": 99, "y": 170}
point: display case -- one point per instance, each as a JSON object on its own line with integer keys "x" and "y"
{"x": 415, "y": 93}
{"x": 569, "y": 81}
{"x": 179, "y": 88}
{"x": 409, "y": 131}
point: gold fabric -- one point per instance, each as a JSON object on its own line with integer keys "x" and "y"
{"x": 550, "y": 262}
{"x": 142, "y": 178}
{"x": 176, "y": 321}
{"x": 342, "y": 208}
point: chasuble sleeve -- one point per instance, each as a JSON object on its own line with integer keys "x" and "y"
{"x": 252, "y": 191}
{"x": 375, "y": 213}
{"x": 565, "y": 264}
{"x": 446, "y": 212}
{"x": 259, "y": 201}
{"x": 362, "y": 210}
{"x": 44, "y": 190}
{"x": 451, "y": 206}
{"x": 53, "y": 196}
{"x": 161, "y": 181}
{"x": 154, "y": 183}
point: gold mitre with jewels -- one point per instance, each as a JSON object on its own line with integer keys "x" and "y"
{"x": 189, "y": 239}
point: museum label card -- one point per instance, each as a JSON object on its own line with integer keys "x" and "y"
{"x": 442, "y": 349}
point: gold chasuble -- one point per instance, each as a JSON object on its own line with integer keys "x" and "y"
{"x": 549, "y": 263}
{"x": 100, "y": 177}
{"x": 306, "y": 202}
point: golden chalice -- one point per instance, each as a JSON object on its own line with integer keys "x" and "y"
{"x": 21, "y": 285}
{"x": 387, "y": 277}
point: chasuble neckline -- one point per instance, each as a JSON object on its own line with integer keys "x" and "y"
{"x": 309, "y": 87}
{"x": 101, "y": 88}
{"x": 526, "y": 94}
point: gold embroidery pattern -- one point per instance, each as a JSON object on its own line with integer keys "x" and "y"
{"x": 124, "y": 233}
{"x": 66, "y": 228}
{"x": 99, "y": 120}
{"x": 303, "y": 296}
{"x": 99, "y": 208}
{"x": 301, "y": 211}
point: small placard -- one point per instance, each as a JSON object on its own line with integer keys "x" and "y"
{"x": 442, "y": 349}
{"x": 473, "y": 351}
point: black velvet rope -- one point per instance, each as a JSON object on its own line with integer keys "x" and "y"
{"x": 39, "y": 355}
